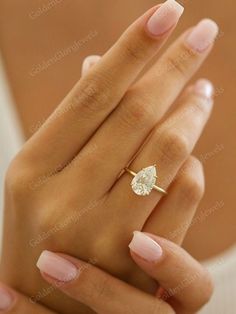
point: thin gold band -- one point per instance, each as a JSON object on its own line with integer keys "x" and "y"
{"x": 155, "y": 187}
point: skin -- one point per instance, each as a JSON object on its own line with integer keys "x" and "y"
{"x": 46, "y": 90}
{"x": 26, "y": 132}
{"x": 83, "y": 287}
{"x": 27, "y": 190}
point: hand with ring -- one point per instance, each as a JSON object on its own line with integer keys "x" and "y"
{"x": 69, "y": 191}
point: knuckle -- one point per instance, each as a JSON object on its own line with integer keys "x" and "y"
{"x": 137, "y": 112}
{"x": 18, "y": 178}
{"x": 176, "y": 65}
{"x": 94, "y": 94}
{"x": 174, "y": 145}
{"x": 206, "y": 292}
{"x": 92, "y": 289}
{"x": 208, "y": 287}
{"x": 103, "y": 288}
{"x": 134, "y": 50}
{"x": 192, "y": 180}
{"x": 201, "y": 108}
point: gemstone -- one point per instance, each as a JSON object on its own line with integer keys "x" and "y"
{"x": 144, "y": 181}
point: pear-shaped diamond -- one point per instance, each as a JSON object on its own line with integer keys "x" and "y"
{"x": 144, "y": 181}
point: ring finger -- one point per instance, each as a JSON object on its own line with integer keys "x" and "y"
{"x": 169, "y": 146}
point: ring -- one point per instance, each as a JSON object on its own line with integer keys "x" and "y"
{"x": 144, "y": 181}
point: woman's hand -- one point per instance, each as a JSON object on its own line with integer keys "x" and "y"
{"x": 186, "y": 284}
{"x": 66, "y": 192}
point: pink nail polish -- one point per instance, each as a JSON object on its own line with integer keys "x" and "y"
{"x": 6, "y": 300}
{"x": 145, "y": 247}
{"x": 165, "y": 17}
{"x": 204, "y": 88}
{"x": 88, "y": 63}
{"x": 57, "y": 267}
{"x": 203, "y": 35}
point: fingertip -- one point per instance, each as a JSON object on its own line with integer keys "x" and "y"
{"x": 7, "y": 298}
{"x": 144, "y": 247}
{"x": 57, "y": 267}
{"x": 88, "y": 63}
{"x": 202, "y": 87}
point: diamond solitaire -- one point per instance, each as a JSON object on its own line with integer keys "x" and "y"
{"x": 144, "y": 181}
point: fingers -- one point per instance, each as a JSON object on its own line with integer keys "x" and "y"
{"x": 146, "y": 103}
{"x": 12, "y": 302}
{"x": 178, "y": 64}
{"x": 99, "y": 92}
{"x": 183, "y": 199}
{"x": 169, "y": 146}
{"x": 98, "y": 290}
{"x": 183, "y": 278}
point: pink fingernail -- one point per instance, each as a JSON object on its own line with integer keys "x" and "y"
{"x": 88, "y": 63}
{"x": 165, "y": 17}
{"x": 204, "y": 88}
{"x": 145, "y": 247}
{"x": 203, "y": 35}
{"x": 57, "y": 267}
{"x": 6, "y": 299}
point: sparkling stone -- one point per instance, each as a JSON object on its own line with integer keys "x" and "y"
{"x": 143, "y": 182}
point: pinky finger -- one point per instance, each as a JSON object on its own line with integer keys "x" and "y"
{"x": 12, "y": 302}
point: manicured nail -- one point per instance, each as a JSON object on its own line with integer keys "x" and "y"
{"x": 203, "y": 35}
{"x": 204, "y": 88}
{"x": 57, "y": 267}
{"x": 88, "y": 63}
{"x": 165, "y": 17}
{"x": 145, "y": 247}
{"x": 6, "y": 299}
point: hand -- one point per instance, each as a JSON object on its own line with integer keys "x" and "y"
{"x": 66, "y": 192}
{"x": 187, "y": 284}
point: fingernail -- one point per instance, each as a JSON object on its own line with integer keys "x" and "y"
{"x": 145, "y": 247}
{"x": 88, "y": 63}
{"x": 203, "y": 35}
{"x": 204, "y": 88}
{"x": 57, "y": 267}
{"x": 6, "y": 299}
{"x": 165, "y": 17}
